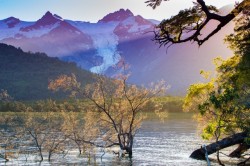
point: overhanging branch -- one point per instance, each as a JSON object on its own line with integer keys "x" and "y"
{"x": 165, "y": 33}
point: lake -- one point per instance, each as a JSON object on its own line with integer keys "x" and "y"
{"x": 157, "y": 143}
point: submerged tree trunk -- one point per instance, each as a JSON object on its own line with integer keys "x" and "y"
{"x": 129, "y": 151}
{"x": 243, "y": 147}
{"x": 40, "y": 153}
{"x": 126, "y": 142}
{"x": 49, "y": 156}
{"x": 4, "y": 157}
{"x": 235, "y": 139}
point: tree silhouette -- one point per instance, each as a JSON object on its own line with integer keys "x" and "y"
{"x": 188, "y": 24}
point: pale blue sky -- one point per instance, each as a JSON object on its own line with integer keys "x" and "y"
{"x": 92, "y": 10}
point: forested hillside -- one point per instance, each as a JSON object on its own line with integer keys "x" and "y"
{"x": 26, "y": 75}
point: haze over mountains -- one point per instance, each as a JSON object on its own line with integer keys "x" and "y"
{"x": 26, "y": 75}
{"x": 120, "y": 35}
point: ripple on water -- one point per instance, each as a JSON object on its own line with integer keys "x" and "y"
{"x": 156, "y": 144}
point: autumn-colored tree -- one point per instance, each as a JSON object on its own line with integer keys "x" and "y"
{"x": 39, "y": 127}
{"x": 43, "y": 124}
{"x": 79, "y": 125}
{"x": 4, "y": 96}
{"x": 117, "y": 107}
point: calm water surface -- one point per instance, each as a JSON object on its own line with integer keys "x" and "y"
{"x": 167, "y": 143}
{"x": 157, "y": 143}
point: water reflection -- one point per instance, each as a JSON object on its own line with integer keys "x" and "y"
{"x": 168, "y": 143}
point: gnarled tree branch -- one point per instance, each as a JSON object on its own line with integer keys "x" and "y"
{"x": 196, "y": 18}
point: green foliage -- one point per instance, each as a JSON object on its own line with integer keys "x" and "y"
{"x": 195, "y": 95}
{"x": 154, "y": 3}
{"x": 185, "y": 21}
{"x": 208, "y": 131}
{"x": 26, "y": 75}
{"x": 168, "y": 104}
{"x": 223, "y": 103}
{"x": 12, "y": 107}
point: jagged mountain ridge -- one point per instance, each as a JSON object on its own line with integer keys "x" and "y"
{"x": 99, "y": 46}
{"x": 50, "y": 34}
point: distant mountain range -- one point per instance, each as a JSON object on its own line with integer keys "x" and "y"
{"x": 99, "y": 46}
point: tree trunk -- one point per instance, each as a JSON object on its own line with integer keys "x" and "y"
{"x": 80, "y": 151}
{"x": 130, "y": 148}
{"x": 40, "y": 153}
{"x": 238, "y": 138}
{"x": 130, "y": 152}
{"x": 4, "y": 157}
{"x": 49, "y": 157}
{"x": 243, "y": 147}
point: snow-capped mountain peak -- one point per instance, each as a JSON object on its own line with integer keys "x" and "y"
{"x": 117, "y": 16}
{"x": 70, "y": 37}
{"x": 47, "y": 20}
{"x": 58, "y": 17}
{"x": 98, "y": 47}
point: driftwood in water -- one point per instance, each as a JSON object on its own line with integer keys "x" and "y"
{"x": 235, "y": 139}
{"x": 243, "y": 147}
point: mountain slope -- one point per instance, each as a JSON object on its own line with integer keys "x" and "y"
{"x": 98, "y": 47}
{"x": 50, "y": 34}
{"x": 26, "y": 75}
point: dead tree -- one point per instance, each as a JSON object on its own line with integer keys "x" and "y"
{"x": 235, "y": 139}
